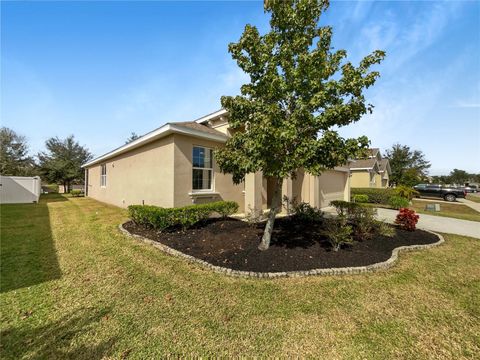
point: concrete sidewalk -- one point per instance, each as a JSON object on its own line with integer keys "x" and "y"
{"x": 437, "y": 223}
{"x": 471, "y": 204}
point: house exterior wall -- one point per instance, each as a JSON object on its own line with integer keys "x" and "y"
{"x": 360, "y": 179}
{"x": 381, "y": 180}
{"x": 142, "y": 175}
{"x": 223, "y": 185}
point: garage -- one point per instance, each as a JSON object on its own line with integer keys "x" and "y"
{"x": 332, "y": 185}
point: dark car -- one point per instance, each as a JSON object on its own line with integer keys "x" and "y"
{"x": 440, "y": 191}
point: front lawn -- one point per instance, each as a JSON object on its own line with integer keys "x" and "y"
{"x": 474, "y": 198}
{"x": 458, "y": 211}
{"x": 73, "y": 286}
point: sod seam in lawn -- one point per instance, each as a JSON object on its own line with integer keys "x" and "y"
{"x": 73, "y": 286}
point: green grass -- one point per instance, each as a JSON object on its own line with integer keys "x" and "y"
{"x": 474, "y": 198}
{"x": 447, "y": 210}
{"x": 72, "y": 286}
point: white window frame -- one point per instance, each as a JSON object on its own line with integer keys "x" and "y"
{"x": 103, "y": 175}
{"x": 212, "y": 182}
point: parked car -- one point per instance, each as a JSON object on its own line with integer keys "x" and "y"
{"x": 471, "y": 188}
{"x": 440, "y": 191}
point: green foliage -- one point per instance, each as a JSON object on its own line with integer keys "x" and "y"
{"x": 62, "y": 161}
{"x": 306, "y": 213}
{"x": 299, "y": 88}
{"x": 406, "y": 192}
{"x": 344, "y": 208}
{"x": 133, "y": 136}
{"x": 360, "y": 198}
{"x": 14, "y": 157}
{"x": 338, "y": 232}
{"x": 76, "y": 193}
{"x": 385, "y": 229}
{"x": 398, "y": 202}
{"x": 185, "y": 217}
{"x": 361, "y": 218}
{"x": 375, "y": 195}
{"x": 408, "y": 166}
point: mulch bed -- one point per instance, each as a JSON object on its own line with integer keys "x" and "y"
{"x": 295, "y": 246}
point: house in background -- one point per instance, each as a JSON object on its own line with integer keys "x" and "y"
{"x": 371, "y": 172}
{"x": 174, "y": 166}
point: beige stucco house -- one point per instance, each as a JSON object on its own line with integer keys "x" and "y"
{"x": 174, "y": 166}
{"x": 371, "y": 172}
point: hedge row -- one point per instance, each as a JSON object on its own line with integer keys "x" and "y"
{"x": 375, "y": 195}
{"x": 185, "y": 217}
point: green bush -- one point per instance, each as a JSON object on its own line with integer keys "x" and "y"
{"x": 375, "y": 195}
{"x": 344, "y": 208}
{"x": 338, "y": 232}
{"x": 305, "y": 212}
{"x": 406, "y": 192}
{"x": 76, "y": 193}
{"x": 398, "y": 202}
{"x": 360, "y": 198}
{"x": 185, "y": 217}
{"x": 361, "y": 218}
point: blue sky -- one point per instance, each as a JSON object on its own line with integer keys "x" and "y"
{"x": 100, "y": 70}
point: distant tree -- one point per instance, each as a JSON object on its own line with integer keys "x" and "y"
{"x": 14, "y": 157}
{"x": 132, "y": 137}
{"x": 408, "y": 166}
{"x": 62, "y": 161}
{"x": 459, "y": 177}
{"x": 300, "y": 89}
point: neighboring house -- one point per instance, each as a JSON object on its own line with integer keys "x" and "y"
{"x": 371, "y": 172}
{"x": 174, "y": 166}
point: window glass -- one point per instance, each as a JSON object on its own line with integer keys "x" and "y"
{"x": 202, "y": 173}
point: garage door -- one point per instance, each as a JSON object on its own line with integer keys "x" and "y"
{"x": 332, "y": 186}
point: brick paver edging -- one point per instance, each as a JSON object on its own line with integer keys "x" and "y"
{"x": 252, "y": 274}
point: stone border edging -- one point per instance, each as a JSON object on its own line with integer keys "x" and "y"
{"x": 300, "y": 273}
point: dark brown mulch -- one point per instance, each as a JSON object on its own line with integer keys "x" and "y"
{"x": 295, "y": 246}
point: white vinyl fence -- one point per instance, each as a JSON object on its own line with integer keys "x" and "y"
{"x": 19, "y": 189}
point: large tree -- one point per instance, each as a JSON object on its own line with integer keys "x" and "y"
{"x": 408, "y": 166}
{"x": 62, "y": 161}
{"x": 14, "y": 157}
{"x": 300, "y": 89}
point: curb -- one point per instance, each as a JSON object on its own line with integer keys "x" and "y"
{"x": 301, "y": 273}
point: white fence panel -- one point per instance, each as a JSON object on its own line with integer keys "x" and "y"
{"x": 19, "y": 189}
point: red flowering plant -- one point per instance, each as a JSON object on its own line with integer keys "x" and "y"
{"x": 407, "y": 219}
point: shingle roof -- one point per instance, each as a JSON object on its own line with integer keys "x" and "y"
{"x": 382, "y": 164}
{"x": 373, "y": 152}
{"x": 200, "y": 127}
{"x": 363, "y": 164}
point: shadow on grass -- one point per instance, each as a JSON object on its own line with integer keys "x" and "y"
{"x": 58, "y": 339}
{"x": 28, "y": 256}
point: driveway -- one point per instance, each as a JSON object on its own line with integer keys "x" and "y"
{"x": 437, "y": 223}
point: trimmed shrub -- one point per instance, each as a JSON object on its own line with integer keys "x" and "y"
{"x": 305, "y": 212}
{"x": 185, "y": 217}
{"x": 406, "y": 192}
{"x": 76, "y": 193}
{"x": 407, "y": 219}
{"x": 375, "y": 195}
{"x": 338, "y": 232}
{"x": 344, "y": 208}
{"x": 385, "y": 229}
{"x": 398, "y": 202}
{"x": 360, "y": 198}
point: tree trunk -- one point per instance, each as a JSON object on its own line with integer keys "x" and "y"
{"x": 275, "y": 208}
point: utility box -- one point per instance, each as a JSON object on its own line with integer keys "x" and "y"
{"x": 20, "y": 189}
{"x": 432, "y": 207}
